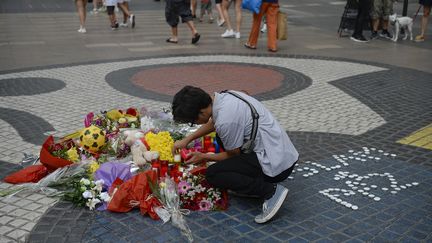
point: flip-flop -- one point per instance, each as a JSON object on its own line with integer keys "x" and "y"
{"x": 171, "y": 41}
{"x": 196, "y": 38}
{"x": 249, "y": 46}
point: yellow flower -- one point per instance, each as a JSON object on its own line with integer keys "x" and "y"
{"x": 94, "y": 166}
{"x": 122, "y": 120}
{"x": 73, "y": 154}
{"x": 162, "y": 185}
{"x": 114, "y": 115}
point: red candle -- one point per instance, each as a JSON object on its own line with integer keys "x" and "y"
{"x": 163, "y": 168}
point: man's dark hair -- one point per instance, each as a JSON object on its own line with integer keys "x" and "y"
{"x": 188, "y": 102}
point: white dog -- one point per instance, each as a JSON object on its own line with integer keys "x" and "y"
{"x": 401, "y": 22}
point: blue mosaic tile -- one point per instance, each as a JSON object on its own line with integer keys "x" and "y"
{"x": 416, "y": 234}
{"x": 243, "y": 228}
{"x": 283, "y": 236}
{"x": 389, "y": 235}
{"x": 256, "y": 235}
{"x": 338, "y": 237}
{"x": 298, "y": 240}
{"x": 310, "y": 236}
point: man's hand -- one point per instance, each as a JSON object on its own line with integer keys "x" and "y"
{"x": 180, "y": 144}
{"x": 195, "y": 157}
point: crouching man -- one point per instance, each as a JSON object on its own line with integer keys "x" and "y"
{"x": 258, "y": 152}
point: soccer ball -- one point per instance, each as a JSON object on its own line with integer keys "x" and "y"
{"x": 92, "y": 139}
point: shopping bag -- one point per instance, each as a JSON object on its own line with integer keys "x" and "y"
{"x": 282, "y": 26}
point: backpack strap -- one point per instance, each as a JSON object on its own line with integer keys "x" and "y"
{"x": 255, "y": 115}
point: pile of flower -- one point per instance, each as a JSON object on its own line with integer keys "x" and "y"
{"x": 161, "y": 142}
{"x": 196, "y": 194}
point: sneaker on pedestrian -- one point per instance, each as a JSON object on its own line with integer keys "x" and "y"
{"x": 95, "y": 11}
{"x": 123, "y": 24}
{"x": 132, "y": 20}
{"x": 374, "y": 35}
{"x": 82, "y": 30}
{"x": 220, "y": 22}
{"x": 358, "y": 38}
{"x": 115, "y": 26}
{"x": 228, "y": 34}
{"x": 264, "y": 28}
{"x": 272, "y": 205}
{"x": 419, "y": 38}
{"x": 386, "y": 34}
{"x": 237, "y": 35}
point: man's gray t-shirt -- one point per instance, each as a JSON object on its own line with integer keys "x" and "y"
{"x": 233, "y": 122}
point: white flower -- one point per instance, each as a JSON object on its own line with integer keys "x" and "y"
{"x": 87, "y": 194}
{"x": 97, "y": 188}
{"x": 85, "y": 181}
{"x": 91, "y": 203}
{"x": 99, "y": 182}
{"x": 105, "y": 197}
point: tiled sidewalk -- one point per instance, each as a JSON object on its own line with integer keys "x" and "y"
{"x": 335, "y": 110}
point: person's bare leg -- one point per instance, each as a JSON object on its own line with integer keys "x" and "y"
{"x": 220, "y": 13}
{"x": 191, "y": 26}
{"x": 425, "y": 18}
{"x": 81, "y": 8}
{"x": 125, "y": 9}
{"x": 238, "y": 10}
{"x": 225, "y": 6}
{"x": 193, "y": 7}
{"x": 174, "y": 34}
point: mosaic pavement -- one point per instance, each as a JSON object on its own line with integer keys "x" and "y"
{"x": 343, "y": 116}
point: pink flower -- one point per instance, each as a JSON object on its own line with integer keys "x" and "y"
{"x": 205, "y": 205}
{"x": 183, "y": 187}
{"x": 88, "y": 119}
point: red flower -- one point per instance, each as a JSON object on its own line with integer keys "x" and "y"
{"x": 132, "y": 111}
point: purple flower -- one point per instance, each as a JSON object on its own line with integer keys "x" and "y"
{"x": 183, "y": 187}
{"x": 98, "y": 122}
{"x": 205, "y": 205}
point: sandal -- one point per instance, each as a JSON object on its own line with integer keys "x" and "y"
{"x": 272, "y": 50}
{"x": 419, "y": 38}
{"x": 196, "y": 38}
{"x": 171, "y": 41}
{"x": 249, "y": 46}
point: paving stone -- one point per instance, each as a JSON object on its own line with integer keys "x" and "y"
{"x": 5, "y": 229}
{"x": 17, "y": 223}
{"x": 5, "y": 219}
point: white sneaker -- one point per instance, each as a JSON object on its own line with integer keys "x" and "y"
{"x": 264, "y": 28}
{"x": 82, "y": 30}
{"x": 272, "y": 205}
{"x": 228, "y": 34}
{"x": 237, "y": 35}
{"x": 123, "y": 24}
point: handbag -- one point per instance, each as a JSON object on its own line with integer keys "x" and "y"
{"x": 252, "y": 5}
{"x": 282, "y": 26}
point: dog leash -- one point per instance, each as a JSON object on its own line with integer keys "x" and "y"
{"x": 418, "y": 10}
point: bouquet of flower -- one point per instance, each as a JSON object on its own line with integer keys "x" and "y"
{"x": 87, "y": 193}
{"x": 56, "y": 155}
{"x": 198, "y": 195}
{"x": 166, "y": 192}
